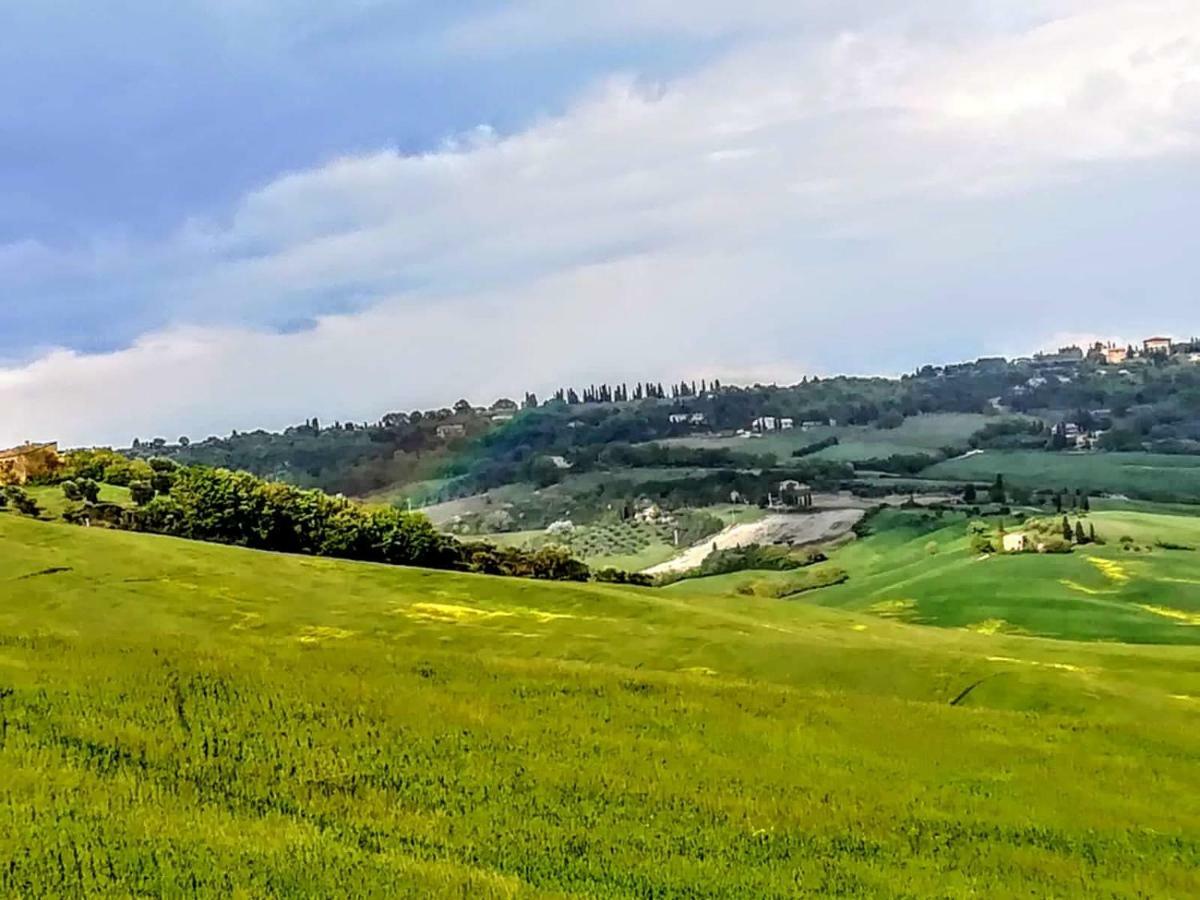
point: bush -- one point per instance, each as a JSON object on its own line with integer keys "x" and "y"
{"x": 20, "y": 501}
{"x": 141, "y": 492}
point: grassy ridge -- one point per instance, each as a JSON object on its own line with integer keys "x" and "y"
{"x": 188, "y": 718}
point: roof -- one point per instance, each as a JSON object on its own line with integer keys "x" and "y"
{"x": 26, "y": 449}
{"x": 1158, "y": 340}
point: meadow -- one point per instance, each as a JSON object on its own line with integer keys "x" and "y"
{"x": 918, "y": 568}
{"x": 918, "y": 434}
{"x": 184, "y": 718}
{"x": 1147, "y": 476}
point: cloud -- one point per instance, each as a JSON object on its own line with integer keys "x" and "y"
{"x": 800, "y": 201}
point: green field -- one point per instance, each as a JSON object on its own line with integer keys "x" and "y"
{"x": 919, "y": 569}
{"x": 54, "y": 503}
{"x": 1147, "y": 476}
{"x": 918, "y": 434}
{"x": 188, "y": 719}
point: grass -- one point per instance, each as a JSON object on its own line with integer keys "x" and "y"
{"x": 919, "y": 569}
{"x": 917, "y": 434}
{"x": 1147, "y": 476}
{"x": 180, "y": 718}
{"x": 53, "y": 502}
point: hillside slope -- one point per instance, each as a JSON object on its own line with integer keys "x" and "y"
{"x": 1131, "y": 588}
{"x": 186, "y": 718}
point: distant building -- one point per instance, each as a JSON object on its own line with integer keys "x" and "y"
{"x": 697, "y": 419}
{"x": 1157, "y": 345}
{"x": 678, "y": 418}
{"x": 1016, "y": 543}
{"x": 1064, "y": 357}
{"x": 451, "y": 430}
{"x": 787, "y": 424}
{"x": 21, "y": 464}
{"x": 1115, "y": 356}
{"x": 764, "y": 423}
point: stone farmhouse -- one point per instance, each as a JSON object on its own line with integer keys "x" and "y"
{"x": 28, "y": 462}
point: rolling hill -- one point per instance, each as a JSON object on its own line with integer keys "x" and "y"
{"x": 184, "y": 718}
{"x": 1141, "y": 586}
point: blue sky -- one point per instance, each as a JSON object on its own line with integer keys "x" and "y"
{"x": 243, "y": 212}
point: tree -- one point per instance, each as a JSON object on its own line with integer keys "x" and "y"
{"x": 1080, "y": 535}
{"x": 1086, "y": 504}
{"x": 997, "y": 494}
{"x": 1092, "y": 533}
{"x": 1067, "y": 530}
{"x": 141, "y": 492}
{"x": 969, "y": 494}
{"x": 21, "y": 502}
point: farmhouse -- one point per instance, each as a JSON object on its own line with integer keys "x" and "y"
{"x": 20, "y": 464}
{"x": 1157, "y": 345}
{"x": 678, "y": 418}
{"x": 1016, "y": 543}
{"x": 763, "y": 423}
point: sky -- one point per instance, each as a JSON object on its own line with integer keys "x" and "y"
{"x": 231, "y": 214}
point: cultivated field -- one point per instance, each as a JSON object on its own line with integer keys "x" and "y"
{"x": 1146, "y": 475}
{"x": 188, "y": 719}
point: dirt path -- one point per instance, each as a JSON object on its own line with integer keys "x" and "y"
{"x": 796, "y": 529}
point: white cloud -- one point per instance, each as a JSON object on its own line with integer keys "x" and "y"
{"x": 762, "y": 213}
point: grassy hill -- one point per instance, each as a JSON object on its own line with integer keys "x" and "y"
{"x": 920, "y": 569}
{"x": 181, "y": 718}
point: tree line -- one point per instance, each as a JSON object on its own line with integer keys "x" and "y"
{"x": 240, "y": 509}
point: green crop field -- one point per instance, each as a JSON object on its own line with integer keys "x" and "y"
{"x": 189, "y": 719}
{"x": 918, "y": 434}
{"x": 1145, "y": 475}
{"x": 919, "y": 569}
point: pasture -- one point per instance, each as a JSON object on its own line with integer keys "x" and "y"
{"x": 188, "y": 719}
{"x": 1146, "y": 476}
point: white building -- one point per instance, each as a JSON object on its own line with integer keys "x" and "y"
{"x": 764, "y": 423}
{"x": 787, "y": 424}
{"x": 1016, "y": 543}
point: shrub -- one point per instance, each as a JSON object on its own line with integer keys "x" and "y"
{"x": 21, "y": 501}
